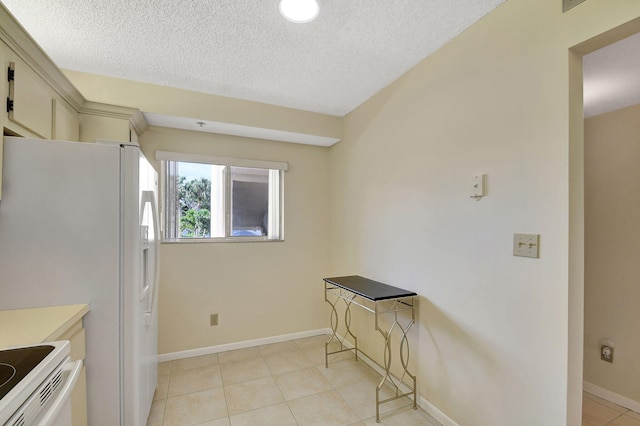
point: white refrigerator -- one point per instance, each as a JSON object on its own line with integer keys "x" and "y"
{"x": 78, "y": 224}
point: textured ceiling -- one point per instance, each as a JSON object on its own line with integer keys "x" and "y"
{"x": 245, "y": 49}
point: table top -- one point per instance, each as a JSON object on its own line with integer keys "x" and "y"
{"x": 369, "y": 289}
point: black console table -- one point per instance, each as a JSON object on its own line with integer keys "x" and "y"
{"x": 379, "y": 299}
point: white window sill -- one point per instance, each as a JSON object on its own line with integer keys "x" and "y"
{"x": 221, "y": 240}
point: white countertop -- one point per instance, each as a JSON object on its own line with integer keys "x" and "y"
{"x": 35, "y": 325}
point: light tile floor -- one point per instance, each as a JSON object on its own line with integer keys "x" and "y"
{"x": 278, "y": 384}
{"x": 600, "y": 412}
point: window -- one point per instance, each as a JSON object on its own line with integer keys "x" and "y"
{"x": 215, "y": 198}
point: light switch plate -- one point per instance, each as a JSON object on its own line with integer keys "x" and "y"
{"x": 478, "y": 188}
{"x": 526, "y": 245}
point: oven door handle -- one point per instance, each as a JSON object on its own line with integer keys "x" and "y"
{"x": 73, "y": 370}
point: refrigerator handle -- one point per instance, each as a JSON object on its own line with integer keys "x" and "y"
{"x": 152, "y": 288}
{"x": 146, "y": 199}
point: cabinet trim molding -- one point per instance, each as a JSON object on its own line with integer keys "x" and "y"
{"x": 107, "y": 110}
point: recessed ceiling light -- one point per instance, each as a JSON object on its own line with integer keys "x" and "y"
{"x": 300, "y": 11}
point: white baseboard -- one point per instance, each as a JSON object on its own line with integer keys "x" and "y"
{"x": 603, "y": 393}
{"x": 240, "y": 345}
{"x": 435, "y": 413}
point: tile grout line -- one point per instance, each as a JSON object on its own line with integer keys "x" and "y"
{"x": 166, "y": 398}
{"x": 284, "y": 399}
{"x": 333, "y": 387}
{"x": 261, "y": 356}
{"x": 224, "y": 392}
{"x": 282, "y": 393}
{"x": 623, "y": 414}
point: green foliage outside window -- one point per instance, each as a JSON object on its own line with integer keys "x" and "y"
{"x": 195, "y": 207}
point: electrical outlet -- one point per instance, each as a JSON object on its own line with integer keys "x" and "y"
{"x": 213, "y": 320}
{"x": 606, "y": 353}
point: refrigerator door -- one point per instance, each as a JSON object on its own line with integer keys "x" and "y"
{"x": 60, "y": 241}
{"x": 149, "y": 221}
{"x": 140, "y": 272}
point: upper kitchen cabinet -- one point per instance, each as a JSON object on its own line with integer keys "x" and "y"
{"x": 38, "y": 99}
{"x": 34, "y": 106}
{"x": 30, "y": 100}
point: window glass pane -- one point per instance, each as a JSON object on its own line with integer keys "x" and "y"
{"x": 194, "y": 191}
{"x": 196, "y": 186}
{"x": 215, "y": 201}
{"x": 249, "y": 202}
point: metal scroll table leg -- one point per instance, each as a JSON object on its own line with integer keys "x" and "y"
{"x": 334, "y": 326}
{"x": 404, "y": 355}
{"x": 347, "y": 323}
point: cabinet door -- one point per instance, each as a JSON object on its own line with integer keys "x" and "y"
{"x": 32, "y": 100}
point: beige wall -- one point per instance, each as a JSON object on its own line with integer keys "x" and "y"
{"x": 258, "y": 289}
{"x": 493, "y": 331}
{"x": 612, "y": 232}
{"x": 184, "y": 103}
{"x": 93, "y": 127}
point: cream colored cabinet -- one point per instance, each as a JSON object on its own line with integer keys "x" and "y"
{"x": 23, "y": 327}
{"x": 30, "y": 101}
{"x": 34, "y": 106}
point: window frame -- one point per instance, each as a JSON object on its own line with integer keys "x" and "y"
{"x": 272, "y": 166}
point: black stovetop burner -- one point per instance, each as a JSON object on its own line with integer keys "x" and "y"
{"x": 15, "y": 364}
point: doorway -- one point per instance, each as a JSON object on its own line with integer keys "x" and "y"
{"x": 600, "y": 147}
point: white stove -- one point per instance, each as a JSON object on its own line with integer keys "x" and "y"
{"x": 36, "y": 383}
